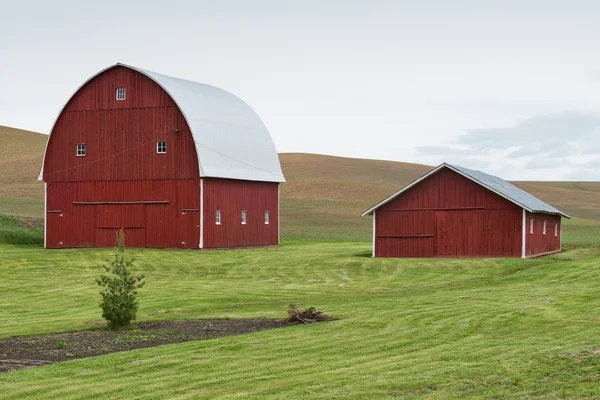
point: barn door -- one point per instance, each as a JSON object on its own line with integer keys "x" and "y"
{"x": 54, "y": 229}
{"x": 112, "y": 217}
{"x": 190, "y": 228}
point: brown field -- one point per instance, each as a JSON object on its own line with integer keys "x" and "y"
{"x": 322, "y": 199}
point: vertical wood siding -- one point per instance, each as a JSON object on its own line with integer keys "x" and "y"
{"x": 121, "y": 165}
{"x": 86, "y": 220}
{"x": 538, "y": 243}
{"x": 448, "y": 215}
{"x": 232, "y": 197}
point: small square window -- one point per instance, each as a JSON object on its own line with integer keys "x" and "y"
{"x": 544, "y": 231}
{"x": 266, "y": 218}
{"x": 81, "y": 150}
{"x": 161, "y": 147}
{"x": 243, "y": 217}
{"x": 531, "y": 226}
{"x": 218, "y": 217}
{"x": 555, "y": 230}
{"x": 120, "y": 93}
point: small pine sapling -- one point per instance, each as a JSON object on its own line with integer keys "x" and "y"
{"x": 119, "y": 288}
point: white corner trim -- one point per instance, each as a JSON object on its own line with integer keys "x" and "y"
{"x": 278, "y": 217}
{"x": 45, "y": 210}
{"x": 201, "y": 213}
{"x": 374, "y": 232}
{"x": 524, "y": 236}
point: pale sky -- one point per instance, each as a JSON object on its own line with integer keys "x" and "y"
{"x": 508, "y": 87}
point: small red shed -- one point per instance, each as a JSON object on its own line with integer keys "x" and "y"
{"x": 175, "y": 163}
{"x": 459, "y": 212}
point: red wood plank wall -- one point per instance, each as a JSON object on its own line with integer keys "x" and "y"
{"x": 121, "y": 165}
{"x": 232, "y": 197}
{"x": 80, "y": 213}
{"x": 448, "y": 215}
{"x": 538, "y": 243}
{"x": 120, "y": 136}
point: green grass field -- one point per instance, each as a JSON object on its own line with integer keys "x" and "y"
{"x": 421, "y": 328}
{"x": 405, "y": 328}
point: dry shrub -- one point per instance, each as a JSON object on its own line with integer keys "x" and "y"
{"x": 307, "y": 316}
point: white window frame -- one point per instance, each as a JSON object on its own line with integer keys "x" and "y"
{"x": 266, "y": 218}
{"x": 121, "y": 93}
{"x": 243, "y": 217}
{"x": 544, "y": 231}
{"x": 81, "y": 150}
{"x": 531, "y": 226}
{"x": 218, "y": 217}
{"x": 158, "y": 150}
{"x": 556, "y": 229}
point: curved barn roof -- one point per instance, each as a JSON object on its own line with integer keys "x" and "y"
{"x": 497, "y": 185}
{"x": 231, "y": 140}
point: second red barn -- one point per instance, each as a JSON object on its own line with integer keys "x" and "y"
{"x": 174, "y": 163}
{"x": 459, "y": 212}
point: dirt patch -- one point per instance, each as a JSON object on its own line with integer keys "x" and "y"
{"x": 34, "y": 351}
{"x": 32, "y": 222}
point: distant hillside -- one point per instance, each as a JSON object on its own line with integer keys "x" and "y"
{"x": 322, "y": 199}
{"x": 20, "y": 160}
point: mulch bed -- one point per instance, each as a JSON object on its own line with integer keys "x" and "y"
{"x": 34, "y": 351}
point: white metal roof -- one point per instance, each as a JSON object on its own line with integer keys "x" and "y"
{"x": 497, "y": 185}
{"x": 231, "y": 140}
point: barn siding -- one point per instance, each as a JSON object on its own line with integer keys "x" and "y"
{"x": 448, "y": 215}
{"x": 158, "y": 219}
{"x": 232, "y": 197}
{"x": 120, "y": 136}
{"x": 538, "y": 243}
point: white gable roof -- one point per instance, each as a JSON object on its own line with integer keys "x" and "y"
{"x": 231, "y": 140}
{"x": 497, "y": 185}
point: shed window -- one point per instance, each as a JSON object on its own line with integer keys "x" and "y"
{"x": 544, "y": 231}
{"x": 243, "y": 217}
{"x": 218, "y": 217}
{"x": 81, "y": 150}
{"x": 161, "y": 147}
{"x": 555, "y": 230}
{"x": 266, "y": 218}
{"x": 531, "y": 226}
{"x": 121, "y": 93}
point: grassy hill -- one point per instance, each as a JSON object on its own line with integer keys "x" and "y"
{"x": 322, "y": 199}
{"x": 21, "y": 155}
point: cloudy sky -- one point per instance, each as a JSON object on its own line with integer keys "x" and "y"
{"x": 509, "y": 87}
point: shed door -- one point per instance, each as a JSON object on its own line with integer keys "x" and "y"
{"x": 405, "y": 233}
{"x": 112, "y": 217}
{"x": 190, "y": 228}
{"x": 54, "y": 230}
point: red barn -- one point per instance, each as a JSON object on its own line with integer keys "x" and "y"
{"x": 175, "y": 163}
{"x": 458, "y": 212}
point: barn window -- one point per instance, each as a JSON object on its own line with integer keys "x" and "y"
{"x": 81, "y": 150}
{"x": 531, "y": 226}
{"x": 555, "y": 230}
{"x": 266, "y": 218}
{"x": 218, "y": 217}
{"x": 161, "y": 147}
{"x": 121, "y": 93}
{"x": 243, "y": 217}
{"x": 544, "y": 232}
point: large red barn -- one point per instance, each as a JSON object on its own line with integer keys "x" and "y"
{"x": 458, "y": 212}
{"x": 175, "y": 163}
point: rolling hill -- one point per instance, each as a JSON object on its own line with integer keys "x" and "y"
{"x": 322, "y": 199}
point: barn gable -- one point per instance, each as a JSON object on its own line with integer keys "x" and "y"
{"x": 492, "y": 183}
{"x": 230, "y": 139}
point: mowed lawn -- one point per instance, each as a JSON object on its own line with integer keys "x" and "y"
{"x": 479, "y": 328}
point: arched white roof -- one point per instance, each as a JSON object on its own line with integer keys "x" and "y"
{"x": 231, "y": 140}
